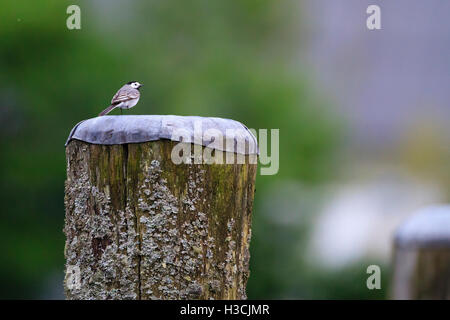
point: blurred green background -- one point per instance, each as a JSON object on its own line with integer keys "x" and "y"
{"x": 231, "y": 59}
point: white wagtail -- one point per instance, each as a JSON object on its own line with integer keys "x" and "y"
{"x": 127, "y": 97}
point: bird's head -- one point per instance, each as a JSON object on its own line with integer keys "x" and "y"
{"x": 135, "y": 84}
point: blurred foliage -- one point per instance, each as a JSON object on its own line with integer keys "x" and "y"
{"x": 231, "y": 59}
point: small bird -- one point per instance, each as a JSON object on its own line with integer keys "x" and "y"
{"x": 127, "y": 97}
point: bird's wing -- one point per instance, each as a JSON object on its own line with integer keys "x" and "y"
{"x": 125, "y": 95}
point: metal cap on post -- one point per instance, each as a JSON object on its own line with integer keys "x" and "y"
{"x": 109, "y": 130}
{"x": 422, "y": 255}
{"x": 141, "y": 225}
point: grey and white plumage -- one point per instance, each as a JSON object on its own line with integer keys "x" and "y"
{"x": 127, "y": 97}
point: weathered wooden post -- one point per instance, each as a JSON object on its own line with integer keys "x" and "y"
{"x": 422, "y": 256}
{"x": 141, "y": 225}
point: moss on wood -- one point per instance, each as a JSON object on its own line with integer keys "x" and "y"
{"x": 140, "y": 227}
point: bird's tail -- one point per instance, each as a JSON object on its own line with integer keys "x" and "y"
{"x": 107, "y": 110}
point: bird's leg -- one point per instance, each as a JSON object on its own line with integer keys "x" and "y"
{"x": 121, "y": 111}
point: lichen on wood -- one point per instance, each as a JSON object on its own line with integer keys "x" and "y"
{"x": 139, "y": 226}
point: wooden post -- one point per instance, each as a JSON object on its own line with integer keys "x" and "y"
{"x": 422, "y": 256}
{"x": 139, "y": 226}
